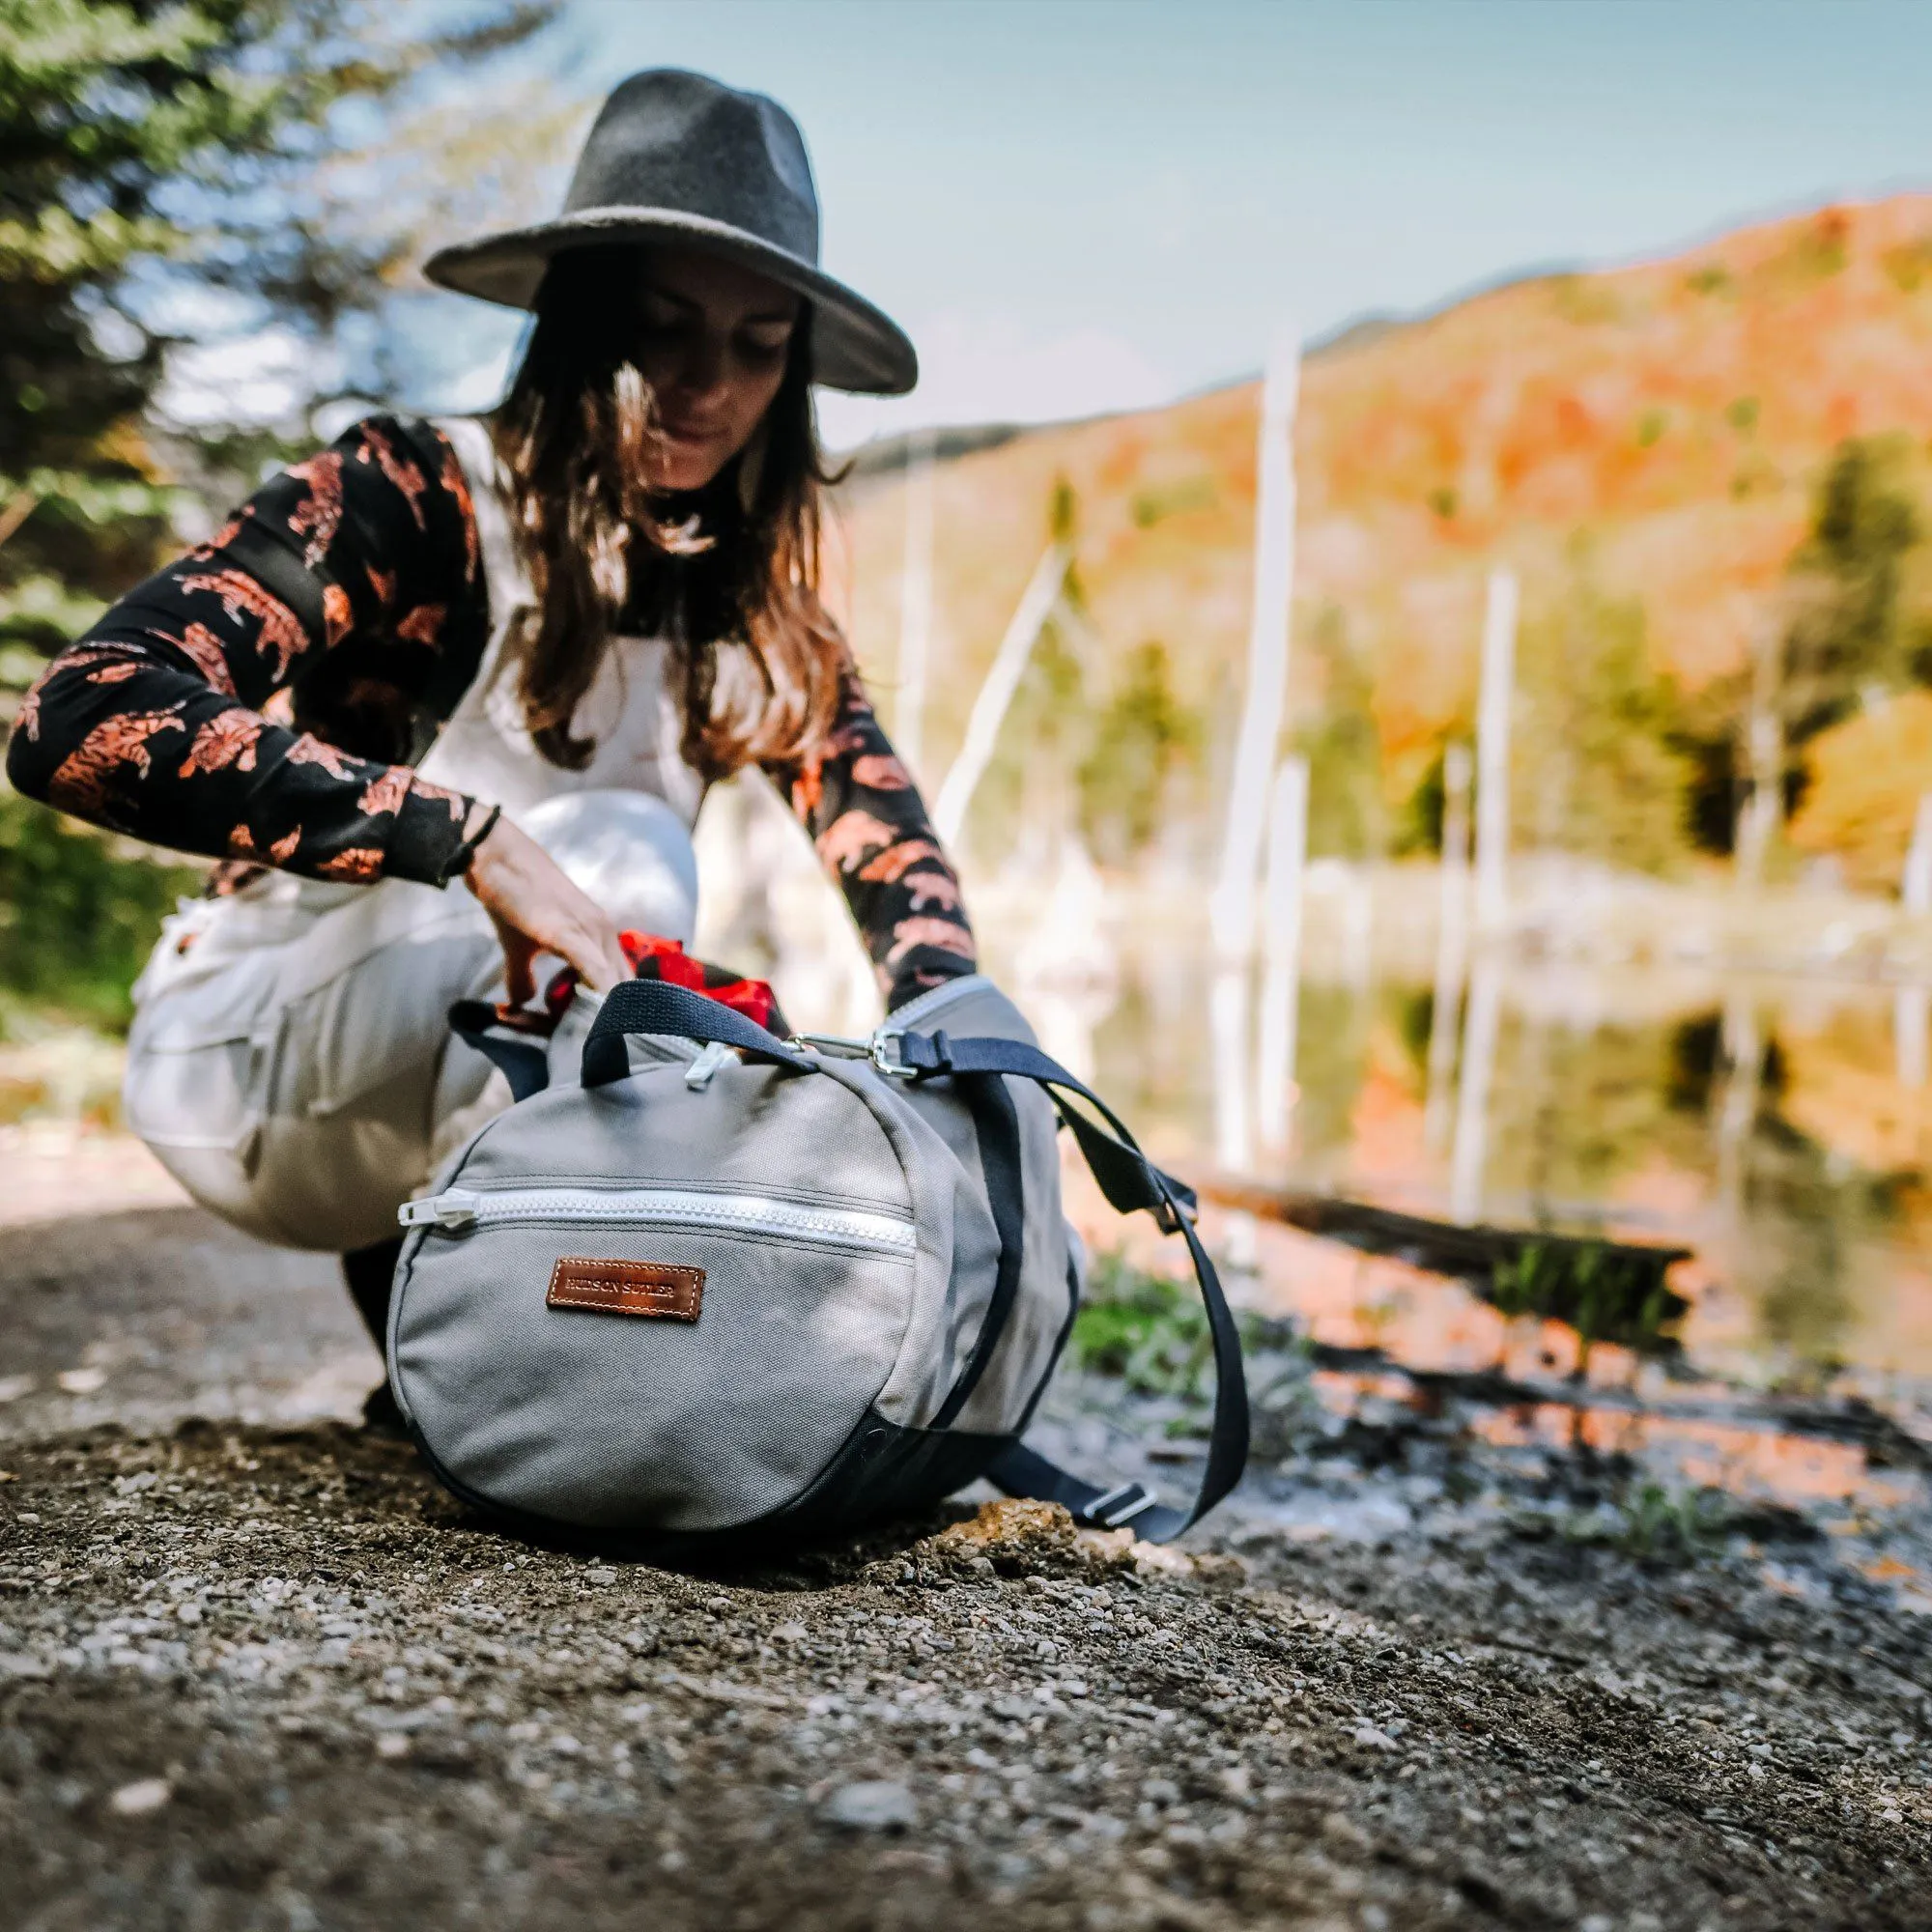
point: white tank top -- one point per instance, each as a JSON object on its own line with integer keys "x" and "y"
{"x": 632, "y": 710}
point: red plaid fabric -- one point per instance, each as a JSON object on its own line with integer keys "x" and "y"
{"x": 655, "y": 958}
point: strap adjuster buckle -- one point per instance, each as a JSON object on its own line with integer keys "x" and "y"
{"x": 889, "y": 1057}
{"x": 1119, "y": 1506}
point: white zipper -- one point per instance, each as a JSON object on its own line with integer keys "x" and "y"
{"x": 849, "y": 1227}
{"x": 907, "y": 1018}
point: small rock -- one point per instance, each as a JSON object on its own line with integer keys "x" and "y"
{"x": 878, "y": 1804}
{"x": 81, "y": 1381}
{"x": 600, "y": 1575}
{"x": 392, "y": 1744}
{"x": 793, "y": 1633}
{"x": 1343, "y": 1830}
{"x": 1161, "y": 1791}
{"x": 144, "y": 1795}
{"x": 1157, "y": 1559}
{"x": 1017, "y": 1530}
{"x": 718, "y": 1606}
{"x": 1105, "y": 1549}
{"x": 1367, "y": 1734}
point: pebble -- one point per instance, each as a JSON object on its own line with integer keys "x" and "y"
{"x": 1343, "y": 1830}
{"x": 877, "y": 1804}
{"x": 144, "y": 1795}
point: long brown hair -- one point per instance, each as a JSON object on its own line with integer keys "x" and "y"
{"x": 735, "y": 561}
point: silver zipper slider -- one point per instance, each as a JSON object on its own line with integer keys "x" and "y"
{"x": 456, "y": 1209}
{"x": 698, "y": 1075}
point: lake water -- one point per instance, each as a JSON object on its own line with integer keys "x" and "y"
{"x": 1779, "y": 1126}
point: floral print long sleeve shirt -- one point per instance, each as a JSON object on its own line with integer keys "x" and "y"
{"x": 206, "y": 712}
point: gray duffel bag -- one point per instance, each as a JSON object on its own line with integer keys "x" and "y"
{"x": 710, "y": 1282}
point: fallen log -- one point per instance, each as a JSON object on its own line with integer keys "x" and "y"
{"x": 1607, "y": 1290}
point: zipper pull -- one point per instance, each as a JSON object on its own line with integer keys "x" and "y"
{"x": 698, "y": 1075}
{"x": 456, "y": 1209}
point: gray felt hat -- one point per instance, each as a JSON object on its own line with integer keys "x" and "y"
{"x": 676, "y": 158}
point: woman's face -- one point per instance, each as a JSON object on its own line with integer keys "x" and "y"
{"x": 712, "y": 342}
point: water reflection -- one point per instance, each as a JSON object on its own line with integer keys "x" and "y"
{"x": 1779, "y": 1128}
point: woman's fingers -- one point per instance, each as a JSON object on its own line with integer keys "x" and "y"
{"x": 599, "y": 959}
{"x": 537, "y": 909}
{"x": 518, "y": 962}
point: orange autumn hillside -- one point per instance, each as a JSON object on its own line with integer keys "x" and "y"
{"x": 1649, "y": 439}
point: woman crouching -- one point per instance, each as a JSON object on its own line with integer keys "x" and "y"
{"x": 514, "y": 653}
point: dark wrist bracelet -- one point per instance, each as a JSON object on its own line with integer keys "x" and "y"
{"x": 459, "y": 859}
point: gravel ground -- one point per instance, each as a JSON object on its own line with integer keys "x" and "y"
{"x": 262, "y": 1674}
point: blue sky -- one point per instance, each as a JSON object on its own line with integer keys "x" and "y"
{"x": 1077, "y": 205}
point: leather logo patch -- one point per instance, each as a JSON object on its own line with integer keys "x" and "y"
{"x": 628, "y": 1288}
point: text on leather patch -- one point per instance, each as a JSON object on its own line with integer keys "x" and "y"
{"x": 628, "y": 1288}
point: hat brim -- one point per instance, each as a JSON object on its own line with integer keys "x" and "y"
{"x": 854, "y": 346}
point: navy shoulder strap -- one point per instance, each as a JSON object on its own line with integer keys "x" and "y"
{"x": 1130, "y": 1181}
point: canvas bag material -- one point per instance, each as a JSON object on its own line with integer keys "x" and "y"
{"x": 886, "y": 1274}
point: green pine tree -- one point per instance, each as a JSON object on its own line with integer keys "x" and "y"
{"x": 161, "y": 161}
{"x": 1145, "y": 743}
{"x": 1850, "y": 631}
{"x": 169, "y": 168}
{"x": 1596, "y": 765}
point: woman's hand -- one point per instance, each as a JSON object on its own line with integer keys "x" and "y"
{"x": 536, "y": 909}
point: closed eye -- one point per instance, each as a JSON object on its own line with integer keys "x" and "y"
{"x": 763, "y": 345}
